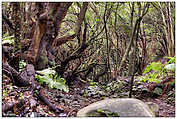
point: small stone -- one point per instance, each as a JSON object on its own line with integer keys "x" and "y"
{"x": 157, "y": 91}
{"x": 140, "y": 87}
{"x": 115, "y": 95}
{"x": 81, "y": 92}
{"x": 75, "y": 102}
{"x": 62, "y": 115}
{"x": 77, "y": 105}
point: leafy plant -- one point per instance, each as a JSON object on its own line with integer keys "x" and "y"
{"x": 22, "y": 65}
{"x": 156, "y": 70}
{"x": 114, "y": 86}
{"x": 92, "y": 83}
{"x": 52, "y": 79}
{"x": 21, "y": 96}
{"x": 5, "y": 93}
{"x": 8, "y": 39}
{"x": 172, "y": 60}
{"x": 155, "y": 66}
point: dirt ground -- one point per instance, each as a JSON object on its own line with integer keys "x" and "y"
{"x": 70, "y": 102}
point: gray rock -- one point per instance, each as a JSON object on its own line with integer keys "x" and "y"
{"x": 154, "y": 108}
{"x": 125, "y": 107}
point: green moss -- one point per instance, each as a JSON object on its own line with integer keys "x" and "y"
{"x": 103, "y": 113}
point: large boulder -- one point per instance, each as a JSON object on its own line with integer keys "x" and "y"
{"x": 123, "y": 107}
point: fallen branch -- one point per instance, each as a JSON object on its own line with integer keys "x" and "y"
{"x": 18, "y": 79}
{"x": 46, "y": 101}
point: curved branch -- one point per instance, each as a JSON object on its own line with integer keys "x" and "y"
{"x": 9, "y": 23}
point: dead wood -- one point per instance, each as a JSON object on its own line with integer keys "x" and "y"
{"x": 12, "y": 105}
{"x": 36, "y": 88}
{"x": 43, "y": 98}
{"x": 18, "y": 79}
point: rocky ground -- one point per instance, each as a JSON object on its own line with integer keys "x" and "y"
{"x": 79, "y": 96}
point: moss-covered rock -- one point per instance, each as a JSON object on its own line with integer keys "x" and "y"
{"x": 124, "y": 107}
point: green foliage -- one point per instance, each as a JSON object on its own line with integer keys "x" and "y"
{"x": 156, "y": 70}
{"x": 8, "y": 39}
{"x": 92, "y": 83}
{"x": 47, "y": 71}
{"x": 172, "y": 60}
{"x": 52, "y": 79}
{"x": 170, "y": 66}
{"x": 126, "y": 28}
{"x": 22, "y": 65}
{"x": 114, "y": 86}
{"x": 97, "y": 20}
{"x": 5, "y": 93}
{"x": 21, "y": 96}
{"x": 155, "y": 66}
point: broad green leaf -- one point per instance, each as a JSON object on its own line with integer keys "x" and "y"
{"x": 53, "y": 80}
{"x": 156, "y": 66}
{"x": 147, "y": 69}
{"x": 47, "y": 71}
{"x": 172, "y": 60}
{"x": 170, "y": 67}
{"x": 8, "y": 40}
{"x": 60, "y": 86}
{"x": 97, "y": 19}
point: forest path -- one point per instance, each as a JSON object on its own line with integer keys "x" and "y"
{"x": 73, "y": 101}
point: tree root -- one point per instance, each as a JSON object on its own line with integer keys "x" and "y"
{"x": 27, "y": 78}
{"x": 18, "y": 79}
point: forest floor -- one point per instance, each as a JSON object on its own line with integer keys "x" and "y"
{"x": 79, "y": 96}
